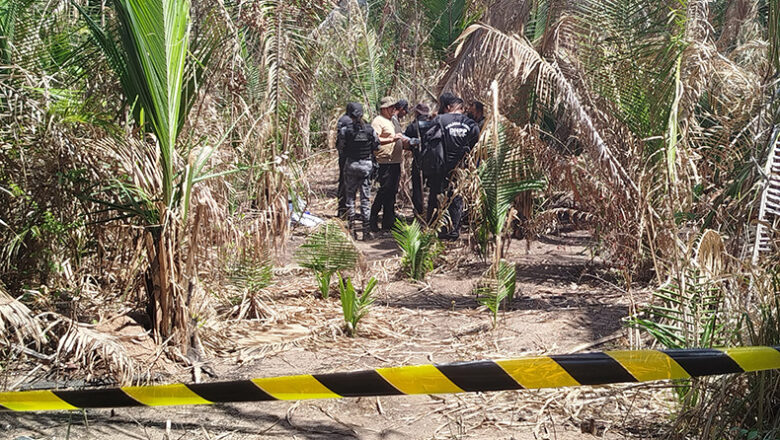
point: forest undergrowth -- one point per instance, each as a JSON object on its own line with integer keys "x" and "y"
{"x": 153, "y": 154}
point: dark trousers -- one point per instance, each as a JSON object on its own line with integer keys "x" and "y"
{"x": 441, "y": 185}
{"x": 341, "y": 191}
{"x": 417, "y": 189}
{"x": 389, "y": 177}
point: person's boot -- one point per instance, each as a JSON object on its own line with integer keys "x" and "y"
{"x": 352, "y": 225}
{"x": 367, "y": 231}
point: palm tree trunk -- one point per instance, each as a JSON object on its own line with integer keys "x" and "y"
{"x": 169, "y": 310}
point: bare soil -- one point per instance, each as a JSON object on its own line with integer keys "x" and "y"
{"x": 566, "y": 301}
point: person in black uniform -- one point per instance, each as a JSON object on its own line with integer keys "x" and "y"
{"x": 477, "y": 113}
{"x": 415, "y": 133}
{"x": 359, "y": 142}
{"x": 458, "y": 134}
{"x": 344, "y": 120}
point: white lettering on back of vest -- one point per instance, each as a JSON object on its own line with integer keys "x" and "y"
{"x": 457, "y": 129}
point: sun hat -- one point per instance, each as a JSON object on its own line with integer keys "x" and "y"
{"x": 422, "y": 109}
{"x": 387, "y": 101}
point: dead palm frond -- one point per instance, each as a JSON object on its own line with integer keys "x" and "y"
{"x": 553, "y": 90}
{"x": 774, "y": 35}
{"x": 710, "y": 253}
{"x": 471, "y": 71}
{"x": 18, "y": 325}
{"x": 93, "y": 350}
{"x": 769, "y": 208}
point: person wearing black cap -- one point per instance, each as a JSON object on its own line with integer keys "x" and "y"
{"x": 344, "y": 120}
{"x": 457, "y": 134}
{"x": 415, "y": 132}
{"x": 360, "y": 141}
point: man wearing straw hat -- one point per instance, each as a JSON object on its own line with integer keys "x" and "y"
{"x": 389, "y": 156}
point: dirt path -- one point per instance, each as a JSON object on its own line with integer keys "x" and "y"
{"x": 561, "y": 305}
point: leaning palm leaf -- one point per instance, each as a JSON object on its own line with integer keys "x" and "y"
{"x": 552, "y": 89}
{"x": 496, "y": 286}
{"x": 687, "y": 312}
{"x": 326, "y": 251}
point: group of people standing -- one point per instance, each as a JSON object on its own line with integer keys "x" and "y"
{"x": 438, "y": 143}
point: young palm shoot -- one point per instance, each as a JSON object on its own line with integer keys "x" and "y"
{"x": 327, "y": 251}
{"x": 159, "y": 67}
{"x": 497, "y": 285}
{"x": 420, "y": 248}
{"x": 505, "y": 174}
{"x": 355, "y": 306}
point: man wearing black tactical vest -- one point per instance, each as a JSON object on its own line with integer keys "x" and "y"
{"x": 458, "y": 134}
{"x": 415, "y": 132}
{"x": 359, "y": 143}
{"x": 343, "y": 121}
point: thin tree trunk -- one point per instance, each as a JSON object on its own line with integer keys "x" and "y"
{"x": 169, "y": 311}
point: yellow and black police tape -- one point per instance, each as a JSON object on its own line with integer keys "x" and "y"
{"x": 524, "y": 373}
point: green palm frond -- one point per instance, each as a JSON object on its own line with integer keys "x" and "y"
{"x": 631, "y": 52}
{"x": 538, "y": 21}
{"x": 20, "y": 40}
{"x": 251, "y": 274}
{"x": 497, "y": 285}
{"x": 155, "y": 35}
{"x": 326, "y": 251}
{"x": 687, "y": 312}
{"x": 505, "y": 174}
{"x": 448, "y": 19}
{"x": 8, "y": 13}
{"x": 420, "y": 248}
{"x": 354, "y": 64}
{"x": 354, "y": 305}
{"x": 150, "y": 51}
{"x": 254, "y": 74}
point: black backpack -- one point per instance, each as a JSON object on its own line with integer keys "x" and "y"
{"x": 432, "y": 151}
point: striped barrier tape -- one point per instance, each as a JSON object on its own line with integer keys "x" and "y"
{"x": 552, "y": 371}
